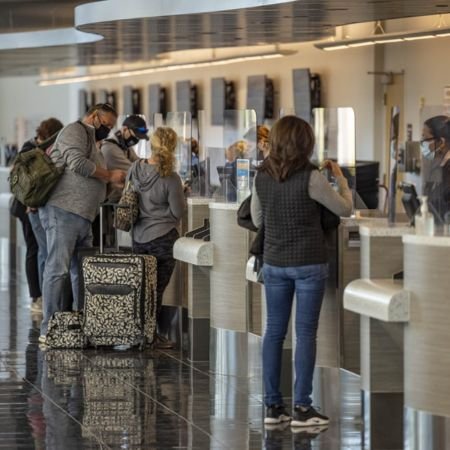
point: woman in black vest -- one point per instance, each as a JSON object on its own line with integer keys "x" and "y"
{"x": 287, "y": 194}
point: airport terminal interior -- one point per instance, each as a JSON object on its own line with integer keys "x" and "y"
{"x": 372, "y": 80}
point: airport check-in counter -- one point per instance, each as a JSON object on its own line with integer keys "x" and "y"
{"x": 198, "y": 255}
{"x": 382, "y": 304}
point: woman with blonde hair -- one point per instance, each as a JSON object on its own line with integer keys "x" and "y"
{"x": 161, "y": 206}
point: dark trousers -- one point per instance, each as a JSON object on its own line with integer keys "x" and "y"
{"x": 31, "y": 261}
{"x": 162, "y": 249}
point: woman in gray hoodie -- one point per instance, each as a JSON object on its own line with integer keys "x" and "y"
{"x": 161, "y": 207}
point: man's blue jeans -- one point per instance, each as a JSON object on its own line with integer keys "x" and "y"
{"x": 66, "y": 232}
{"x": 41, "y": 239}
{"x": 281, "y": 283}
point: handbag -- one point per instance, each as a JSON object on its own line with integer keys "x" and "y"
{"x": 65, "y": 330}
{"x": 244, "y": 216}
{"x": 128, "y": 210}
{"x": 328, "y": 219}
{"x": 257, "y": 250}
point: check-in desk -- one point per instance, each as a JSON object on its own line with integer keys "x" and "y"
{"x": 382, "y": 303}
{"x": 8, "y": 241}
{"x": 229, "y": 350}
{"x": 427, "y": 334}
{"x": 198, "y": 255}
{"x": 338, "y": 339}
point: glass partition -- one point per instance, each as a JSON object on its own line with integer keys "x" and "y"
{"x": 335, "y": 131}
{"x": 227, "y": 157}
{"x": 435, "y": 163}
{"x": 181, "y": 123}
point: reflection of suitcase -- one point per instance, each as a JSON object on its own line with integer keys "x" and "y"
{"x": 119, "y": 298}
{"x": 114, "y": 408}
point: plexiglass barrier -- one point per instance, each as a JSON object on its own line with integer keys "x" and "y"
{"x": 335, "y": 131}
{"x": 181, "y": 123}
{"x": 227, "y": 156}
{"x": 435, "y": 164}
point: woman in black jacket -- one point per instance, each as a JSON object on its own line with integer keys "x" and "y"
{"x": 287, "y": 194}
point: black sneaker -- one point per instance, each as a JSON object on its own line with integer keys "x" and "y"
{"x": 308, "y": 418}
{"x": 276, "y": 414}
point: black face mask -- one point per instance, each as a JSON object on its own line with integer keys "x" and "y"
{"x": 101, "y": 132}
{"x": 132, "y": 140}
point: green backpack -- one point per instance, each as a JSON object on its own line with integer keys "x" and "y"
{"x": 33, "y": 177}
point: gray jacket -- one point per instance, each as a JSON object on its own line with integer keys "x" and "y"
{"x": 77, "y": 191}
{"x": 161, "y": 201}
{"x": 117, "y": 158}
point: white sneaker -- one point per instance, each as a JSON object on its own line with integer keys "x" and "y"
{"x": 36, "y": 306}
{"x": 42, "y": 339}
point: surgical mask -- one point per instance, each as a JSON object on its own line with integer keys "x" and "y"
{"x": 426, "y": 151}
{"x": 101, "y": 132}
{"x": 130, "y": 141}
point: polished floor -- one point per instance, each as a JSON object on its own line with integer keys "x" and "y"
{"x": 113, "y": 399}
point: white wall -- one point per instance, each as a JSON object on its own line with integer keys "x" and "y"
{"x": 21, "y": 99}
{"x": 345, "y": 82}
{"x": 427, "y": 71}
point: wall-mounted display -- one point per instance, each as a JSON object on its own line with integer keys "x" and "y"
{"x": 105, "y": 96}
{"x": 132, "y": 100}
{"x": 83, "y": 104}
{"x": 157, "y": 101}
{"x": 260, "y": 96}
{"x": 223, "y": 97}
{"x": 307, "y": 93}
{"x": 187, "y": 98}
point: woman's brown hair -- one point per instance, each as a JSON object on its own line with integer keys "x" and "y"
{"x": 291, "y": 142}
{"x": 47, "y": 128}
{"x": 163, "y": 144}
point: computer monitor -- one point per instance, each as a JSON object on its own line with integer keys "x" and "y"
{"x": 410, "y": 200}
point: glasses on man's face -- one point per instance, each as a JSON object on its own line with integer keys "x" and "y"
{"x": 427, "y": 140}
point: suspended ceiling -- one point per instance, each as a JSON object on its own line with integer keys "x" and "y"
{"x": 139, "y": 30}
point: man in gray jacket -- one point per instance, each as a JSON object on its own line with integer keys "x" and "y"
{"x": 118, "y": 151}
{"x": 68, "y": 215}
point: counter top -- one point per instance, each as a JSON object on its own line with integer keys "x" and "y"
{"x": 224, "y": 206}
{"x": 199, "y": 201}
{"x": 382, "y": 229}
{"x": 433, "y": 241}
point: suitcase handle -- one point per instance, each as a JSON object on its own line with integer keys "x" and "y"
{"x": 115, "y": 206}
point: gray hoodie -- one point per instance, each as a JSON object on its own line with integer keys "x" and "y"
{"x": 161, "y": 201}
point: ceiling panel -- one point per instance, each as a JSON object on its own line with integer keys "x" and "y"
{"x": 144, "y": 38}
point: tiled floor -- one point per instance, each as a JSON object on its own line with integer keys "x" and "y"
{"x": 110, "y": 399}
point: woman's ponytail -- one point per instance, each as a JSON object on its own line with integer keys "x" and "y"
{"x": 163, "y": 144}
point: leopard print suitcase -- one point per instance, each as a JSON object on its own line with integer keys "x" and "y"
{"x": 119, "y": 299}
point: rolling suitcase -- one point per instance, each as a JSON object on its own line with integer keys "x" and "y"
{"x": 119, "y": 298}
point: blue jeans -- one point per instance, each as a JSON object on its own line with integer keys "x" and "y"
{"x": 41, "y": 239}
{"x": 281, "y": 283}
{"x": 66, "y": 232}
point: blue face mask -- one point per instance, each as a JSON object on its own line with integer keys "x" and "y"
{"x": 426, "y": 151}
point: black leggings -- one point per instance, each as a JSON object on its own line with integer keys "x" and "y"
{"x": 162, "y": 249}
{"x": 31, "y": 261}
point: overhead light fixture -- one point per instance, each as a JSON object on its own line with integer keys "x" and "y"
{"x": 166, "y": 68}
{"x": 384, "y": 38}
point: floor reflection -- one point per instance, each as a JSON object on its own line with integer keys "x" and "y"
{"x": 111, "y": 399}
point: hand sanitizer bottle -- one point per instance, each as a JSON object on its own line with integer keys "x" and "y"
{"x": 424, "y": 221}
